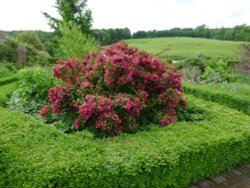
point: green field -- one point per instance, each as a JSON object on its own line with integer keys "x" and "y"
{"x": 187, "y": 47}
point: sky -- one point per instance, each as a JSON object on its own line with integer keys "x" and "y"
{"x": 135, "y": 14}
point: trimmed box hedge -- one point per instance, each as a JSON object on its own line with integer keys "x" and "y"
{"x": 5, "y": 92}
{"x": 8, "y": 79}
{"x": 228, "y": 98}
{"x": 37, "y": 155}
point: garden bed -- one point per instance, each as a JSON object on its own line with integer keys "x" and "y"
{"x": 38, "y": 155}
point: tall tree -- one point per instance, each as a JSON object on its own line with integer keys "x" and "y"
{"x": 74, "y": 11}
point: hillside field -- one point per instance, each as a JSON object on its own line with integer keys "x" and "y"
{"x": 183, "y": 47}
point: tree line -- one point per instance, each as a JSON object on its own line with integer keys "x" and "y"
{"x": 110, "y": 36}
{"x": 237, "y": 33}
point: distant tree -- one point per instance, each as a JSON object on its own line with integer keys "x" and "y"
{"x": 102, "y": 36}
{"x": 202, "y": 31}
{"x": 140, "y": 34}
{"x": 237, "y": 33}
{"x": 74, "y": 11}
{"x": 109, "y": 36}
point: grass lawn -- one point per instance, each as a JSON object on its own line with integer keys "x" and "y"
{"x": 187, "y": 47}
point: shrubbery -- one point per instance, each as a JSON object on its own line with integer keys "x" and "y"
{"x": 32, "y": 92}
{"x": 117, "y": 90}
{"x": 8, "y": 50}
{"x": 36, "y": 155}
{"x": 228, "y": 98}
{"x": 6, "y": 69}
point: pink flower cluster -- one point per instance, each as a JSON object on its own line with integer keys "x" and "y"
{"x": 115, "y": 90}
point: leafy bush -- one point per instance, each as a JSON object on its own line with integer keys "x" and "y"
{"x": 35, "y": 49}
{"x": 73, "y": 43}
{"x": 6, "y": 69}
{"x": 8, "y": 50}
{"x": 214, "y": 76}
{"x": 199, "y": 61}
{"x": 193, "y": 113}
{"x": 32, "y": 92}
{"x": 191, "y": 74}
{"x": 228, "y": 98}
{"x": 117, "y": 90}
{"x": 205, "y": 70}
{"x": 37, "y": 58}
{"x": 36, "y": 155}
{"x": 30, "y": 39}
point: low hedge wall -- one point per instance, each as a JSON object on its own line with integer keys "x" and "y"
{"x": 8, "y": 79}
{"x": 5, "y": 92}
{"x": 37, "y": 155}
{"x": 228, "y": 98}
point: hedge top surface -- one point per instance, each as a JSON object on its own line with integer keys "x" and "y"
{"x": 5, "y": 91}
{"x": 215, "y": 90}
{"x": 52, "y": 158}
{"x": 228, "y": 98}
{"x": 8, "y": 79}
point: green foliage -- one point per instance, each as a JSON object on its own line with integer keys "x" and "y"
{"x": 8, "y": 79}
{"x": 6, "y": 69}
{"x": 214, "y": 76}
{"x": 30, "y": 39}
{"x": 191, "y": 73}
{"x": 36, "y": 54}
{"x": 73, "y": 43}
{"x": 46, "y": 38}
{"x": 36, "y": 155}
{"x": 8, "y": 50}
{"x": 31, "y": 94}
{"x": 6, "y": 91}
{"x": 228, "y": 98}
{"x": 110, "y": 36}
{"x": 205, "y": 70}
{"x": 192, "y": 113}
{"x": 216, "y": 63}
{"x": 74, "y": 11}
{"x": 237, "y": 33}
{"x": 37, "y": 57}
{"x": 199, "y": 61}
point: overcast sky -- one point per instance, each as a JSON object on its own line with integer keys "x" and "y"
{"x": 134, "y": 14}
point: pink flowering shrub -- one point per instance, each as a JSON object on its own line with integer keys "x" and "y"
{"x": 117, "y": 90}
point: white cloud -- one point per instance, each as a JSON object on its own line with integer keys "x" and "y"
{"x": 134, "y": 14}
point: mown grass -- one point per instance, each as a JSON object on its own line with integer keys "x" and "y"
{"x": 187, "y": 47}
